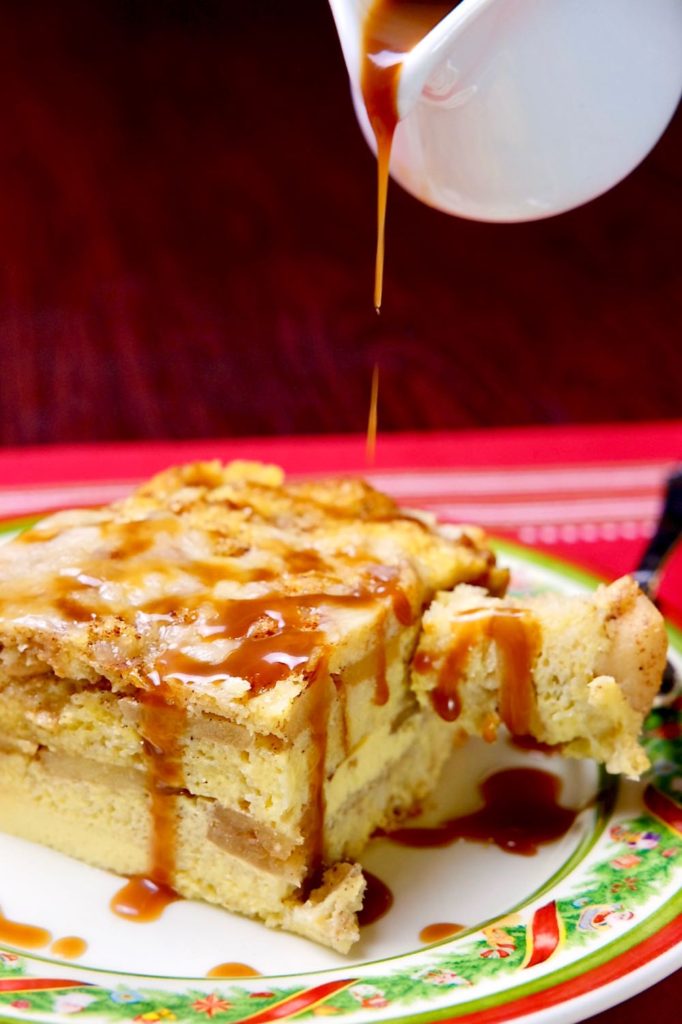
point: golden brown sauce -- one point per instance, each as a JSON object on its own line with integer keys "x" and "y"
{"x": 385, "y": 582}
{"x": 306, "y": 560}
{"x": 440, "y": 931}
{"x": 136, "y": 536}
{"x": 381, "y": 690}
{"x": 27, "y": 936}
{"x": 377, "y": 901}
{"x": 391, "y": 29}
{"x": 162, "y": 726}
{"x": 520, "y": 812}
{"x": 342, "y": 698}
{"x": 142, "y": 900}
{"x": 321, "y": 693}
{"x": 530, "y": 743}
{"x": 489, "y": 730}
{"x": 70, "y": 947}
{"x": 422, "y": 662}
{"x": 233, "y": 970}
{"x": 263, "y": 661}
{"x": 278, "y": 632}
{"x": 372, "y": 419}
{"x": 516, "y": 635}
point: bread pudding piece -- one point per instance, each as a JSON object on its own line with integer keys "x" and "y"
{"x": 207, "y": 684}
{"x": 578, "y": 673}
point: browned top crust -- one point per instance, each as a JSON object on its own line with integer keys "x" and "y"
{"x": 224, "y": 585}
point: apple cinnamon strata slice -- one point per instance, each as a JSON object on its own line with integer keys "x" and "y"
{"x": 212, "y": 684}
{"x": 207, "y": 684}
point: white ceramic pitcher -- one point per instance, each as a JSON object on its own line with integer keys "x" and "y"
{"x": 519, "y": 109}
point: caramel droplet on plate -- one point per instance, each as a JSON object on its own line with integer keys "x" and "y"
{"x": 70, "y": 947}
{"x": 232, "y": 971}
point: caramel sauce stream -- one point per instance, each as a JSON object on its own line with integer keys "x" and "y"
{"x": 372, "y": 419}
{"x": 391, "y": 29}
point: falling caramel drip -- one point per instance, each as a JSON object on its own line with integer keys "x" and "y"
{"x": 520, "y": 812}
{"x": 516, "y": 636}
{"x": 391, "y": 29}
{"x": 27, "y": 936}
{"x": 372, "y": 419}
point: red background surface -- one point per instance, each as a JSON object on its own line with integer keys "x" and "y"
{"x": 186, "y": 243}
{"x": 186, "y": 246}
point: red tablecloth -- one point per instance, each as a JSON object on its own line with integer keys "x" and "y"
{"x": 587, "y": 494}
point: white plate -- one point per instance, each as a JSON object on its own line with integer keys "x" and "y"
{"x": 587, "y": 922}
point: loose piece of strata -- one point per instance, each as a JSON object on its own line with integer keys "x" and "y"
{"x": 208, "y": 684}
{"x": 578, "y": 673}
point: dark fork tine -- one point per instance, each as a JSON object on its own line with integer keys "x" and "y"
{"x": 648, "y": 572}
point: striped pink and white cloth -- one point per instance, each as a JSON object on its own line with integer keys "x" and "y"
{"x": 589, "y": 494}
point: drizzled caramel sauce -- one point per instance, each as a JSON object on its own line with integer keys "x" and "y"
{"x": 377, "y": 901}
{"x": 320, "y": 694}
{"x": 278, "y": 633}
{"x": 520, "y": 812}
{"x": 162, "y": 727}
{"x": 233, "y": 970}
{"x": 381, "y": 690}
{"x": 516, "y": 636}
{"x": 438, "y": 932}
{"x": 263, "y": 661}
{"x": 392, "y": 28}
{"x": 27, "y": 936}
{"x": 530, "y": 743}
{"x": 142, "y": 900}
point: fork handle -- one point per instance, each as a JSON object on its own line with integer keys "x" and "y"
{"x": 668, "y": 531}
